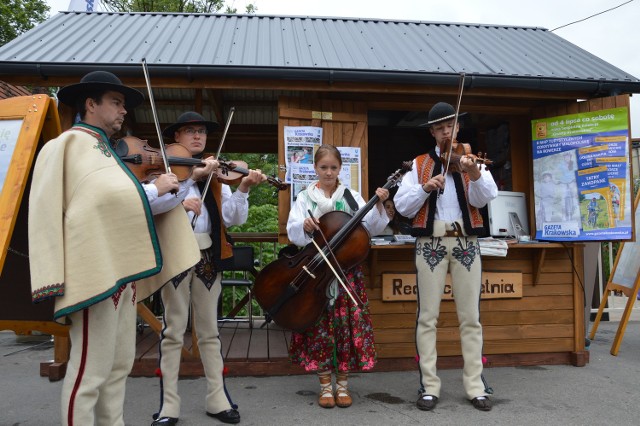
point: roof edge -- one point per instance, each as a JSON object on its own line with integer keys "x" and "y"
{"x": 330, "y": 76}
{"x": 336, "y": 18}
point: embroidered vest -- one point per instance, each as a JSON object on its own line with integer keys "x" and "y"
{"x": 222, "y": 252}
{"x": 429, "y": 165}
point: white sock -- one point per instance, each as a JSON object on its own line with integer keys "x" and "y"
{"x": 325, "y": 388}
{"x": 341, "y": 383}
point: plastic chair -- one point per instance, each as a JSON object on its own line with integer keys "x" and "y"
{"x": 243, "y": 265}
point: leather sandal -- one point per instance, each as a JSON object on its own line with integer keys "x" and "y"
{"x": 482, "y": 403}
{"x": 343, "y": 397}
{"x": 325, "y": 399}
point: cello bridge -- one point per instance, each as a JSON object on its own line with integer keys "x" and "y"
{"x": 308, "y": 272}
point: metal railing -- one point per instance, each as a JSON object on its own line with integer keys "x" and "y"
{"x": 265, "y": 247}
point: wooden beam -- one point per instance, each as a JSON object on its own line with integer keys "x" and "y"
{"x": 216, "y": 103}
{"x": 197, "y": 101}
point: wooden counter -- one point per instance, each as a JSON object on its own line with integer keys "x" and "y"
{"x": 545, "y": 326}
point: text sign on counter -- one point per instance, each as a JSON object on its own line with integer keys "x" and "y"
{"x": 398, "y": 287}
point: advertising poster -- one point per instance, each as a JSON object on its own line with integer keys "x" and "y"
{"x": 581, "y": 176}
{"x": 300, "y": 144}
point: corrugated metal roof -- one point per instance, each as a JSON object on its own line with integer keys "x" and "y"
{"x": 347, "y": 49}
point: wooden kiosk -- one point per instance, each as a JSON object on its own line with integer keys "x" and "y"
{"x": 376, "y": 101}
{"x": 543, "y": 326}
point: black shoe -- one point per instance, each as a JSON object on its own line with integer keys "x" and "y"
{"x": 228, "y": 416}
{"x": 427, "y": 404}
{"x": 165, "y": 421}
{"x": 482, "y": 403}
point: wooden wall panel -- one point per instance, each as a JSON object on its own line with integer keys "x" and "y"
{"x": 542, "y": 321}
{"x": 344, "y": 123}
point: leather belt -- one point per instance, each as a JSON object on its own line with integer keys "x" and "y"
{"x": 452, "y": 233}
{"x": 455, "y": 232}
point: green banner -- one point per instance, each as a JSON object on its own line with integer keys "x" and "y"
{"x": 578, "y": 124}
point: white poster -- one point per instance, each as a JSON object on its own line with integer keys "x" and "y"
{"x": 300, "y": 144}
{"x": 9, "y": 132}
{"x": 350, "y": 175}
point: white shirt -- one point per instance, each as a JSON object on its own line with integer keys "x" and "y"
{"x": 374, "y": 221}
{"x": 411, "y": 197}
{"x": 235, "y": 208}
{"x": 168, "y": 201}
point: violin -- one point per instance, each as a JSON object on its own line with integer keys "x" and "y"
{"x": 457, "y": 152}
{"x": 232, "y": 172}
{"x": 146, "y": 163}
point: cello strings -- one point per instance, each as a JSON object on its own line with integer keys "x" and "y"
{"x": 334, "y": 271}
{"x": 328, "y": 246}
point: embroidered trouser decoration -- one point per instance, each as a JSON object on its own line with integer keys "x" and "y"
{"x": 459, "y": 256}
{"x": 205, "y": 270}
{"x": 466, "y": 252}
{"x": 432, "y": 251}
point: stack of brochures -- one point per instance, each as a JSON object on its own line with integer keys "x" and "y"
{"x": 493, "y": 247}
{"x": 406, "y": 239}
{"x": 379, "y": 241}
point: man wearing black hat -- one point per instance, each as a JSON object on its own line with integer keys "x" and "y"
{"x": 98, "y": 243}
{"x": 197, "y": 290}
{"x": 446, "y": 222}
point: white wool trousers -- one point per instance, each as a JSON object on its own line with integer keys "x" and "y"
{"x": 204, "y": 304}
{"x": 103, "y": 345}
{"x": 435, "y": 256}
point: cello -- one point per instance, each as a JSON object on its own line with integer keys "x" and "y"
{"x": 292, "y": 290}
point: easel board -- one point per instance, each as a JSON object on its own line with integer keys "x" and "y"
{"x": 624, "y": 277}
{"x": 24, "y": 121}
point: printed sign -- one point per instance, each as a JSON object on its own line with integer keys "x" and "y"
{"x": 398, "y": 287}
{"x": 581, "y": 176}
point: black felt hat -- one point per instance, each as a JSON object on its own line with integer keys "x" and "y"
{"x": 441, "y": 111}
{"x": 189, "y": 117}
{"x": 99, "y": 80}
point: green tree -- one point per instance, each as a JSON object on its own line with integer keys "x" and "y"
{"x": 260, "y": 194}
{"x": 18, "y": 16}
{"x": 182, "y": 6}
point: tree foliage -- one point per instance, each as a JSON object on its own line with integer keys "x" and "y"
{"x": 18, "y": 16}
{"x": 264, "y": 193}
{"x": 181, "y": 6}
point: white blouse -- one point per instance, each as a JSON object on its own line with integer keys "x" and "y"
{"x": 374, "y": 221}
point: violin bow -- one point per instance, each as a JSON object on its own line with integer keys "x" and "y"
{"x": 206, "y": 186}
{"x": 455, "y": 120}
{"x": 163, "y": 150}
{"x": 344, "y": 286}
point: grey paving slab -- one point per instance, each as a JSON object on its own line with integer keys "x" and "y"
{"x": 606, "y": 391}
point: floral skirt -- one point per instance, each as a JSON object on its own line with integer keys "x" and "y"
{"x": 342, "y": 339}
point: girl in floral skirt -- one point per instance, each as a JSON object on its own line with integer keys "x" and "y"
{"x": 342, "y": 339}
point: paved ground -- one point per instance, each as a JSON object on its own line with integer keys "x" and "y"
{"x": 606, "y": 391}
